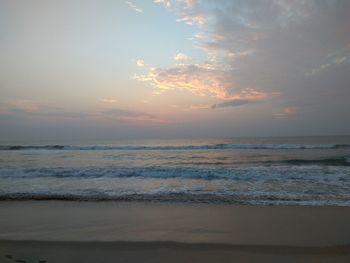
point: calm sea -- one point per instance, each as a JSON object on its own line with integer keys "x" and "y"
{"x": 271, "y": 171}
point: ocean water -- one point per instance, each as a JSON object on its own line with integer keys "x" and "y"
{"x": 270, "y": 171}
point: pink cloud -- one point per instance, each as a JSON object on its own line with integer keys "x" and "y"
{"x": 133, "y": 117}
{"x": 201, "y": 80}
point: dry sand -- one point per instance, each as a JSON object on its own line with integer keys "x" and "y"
{"x": 58, "y": 231}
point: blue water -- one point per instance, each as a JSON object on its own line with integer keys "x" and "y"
{"x": 272, "y": 171}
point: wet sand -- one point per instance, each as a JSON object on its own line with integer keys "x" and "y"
{"x": 58, "y": 252}
{"x": 58, "y": 231}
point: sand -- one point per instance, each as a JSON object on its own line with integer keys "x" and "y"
{"x": 59, "y": 231}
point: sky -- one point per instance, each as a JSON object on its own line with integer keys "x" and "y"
{"x": 108, "y": 69}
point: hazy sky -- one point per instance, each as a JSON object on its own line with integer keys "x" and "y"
{"x": 108, "y": 69}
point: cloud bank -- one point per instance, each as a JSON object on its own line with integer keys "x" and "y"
{"x": 297, "y": 49}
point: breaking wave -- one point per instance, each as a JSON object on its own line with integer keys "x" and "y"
{"x": 256, "y": 173}
{"x": 221, "y": 146}
{"x": 181, "y": 196}
{"x": 337, "y": 161}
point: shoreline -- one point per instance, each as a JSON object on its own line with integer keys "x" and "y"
{"x": 208, "y": 199}
{"x": 59, "y": 231}
{"x": 65, "y": 251}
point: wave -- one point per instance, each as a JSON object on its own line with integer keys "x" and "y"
{"x": 210, "y": 198}
{"x": 124, "y": 172}
{"x": 31, "y": 147}
{"x": 221, "y": 146}
{"x": 180, "y": 196}
{"x": 256, "y": 173}
{"x": 339, "y": 161}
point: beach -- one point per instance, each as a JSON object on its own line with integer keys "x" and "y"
{"x": 71, "y": 231}
{"x": 212, "y": 200}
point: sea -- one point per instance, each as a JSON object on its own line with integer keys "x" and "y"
{"x": 245, "y": 171}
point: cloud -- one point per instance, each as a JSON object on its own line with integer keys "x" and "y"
{"x": 198, "y": 19}
{"x": 140, "y": 62}
{"x": 232, "y": 103}
{"x": 132, "y": 116}
{"x": 297, "y": 49}
{"x": 199, "y": 107}
{"x": 108, "y": 100}
{"x": 202, "y": 80}
{"x": 215, "y": 77}
{"x": 198, "y": 79}
{"x": 25, "y": 105}
{"x": 186, "y": 10}
{"x": 181, "y": 57}
{"x": 24, "y": 108}
{"x": 28, "y": 109}
{"x": 185, "y": 4}
{"x": 286, "y": 112}
{"x": 134, "y": 7}
{"x": 246, "y": 96}
{"x": 332, "y": 63}
{"x": 166, "y": 3}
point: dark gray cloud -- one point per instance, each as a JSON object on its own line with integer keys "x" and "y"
{"x": 232, "y": 103}
{"x": 126, "y": 113}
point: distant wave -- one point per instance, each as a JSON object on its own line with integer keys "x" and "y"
{"x": 31, "y": 147}
{"x": 222, "y": 146}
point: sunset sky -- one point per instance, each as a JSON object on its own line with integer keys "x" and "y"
{"x": 183, "y": 68}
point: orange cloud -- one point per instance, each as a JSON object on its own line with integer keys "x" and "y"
{"x": 201, "y": 80}
{"x": 197, "y": 79}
